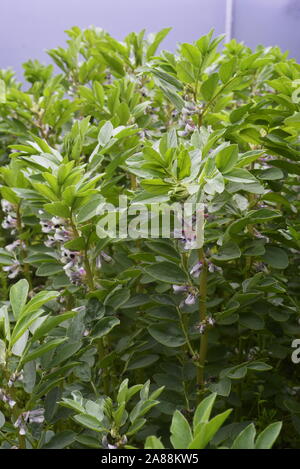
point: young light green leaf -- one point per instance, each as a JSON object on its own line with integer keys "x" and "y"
{"x": 38, "y": 300}
{"x": 152, "y": 442}
{"x": 18, "y": 296}
{"x": 46, "y": 347}
{"x": 181, "y": 431}
{"x": 209, "y": 86}
{"x": 245, "y": 440}
{"x": 203, "y": 410}
{"x": 268, "y": 436}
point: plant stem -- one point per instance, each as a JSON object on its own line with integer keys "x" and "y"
{"x": 188, "y": 343}
{"x": 25, "y": 267}
{"x": 209, "y": 103}
{"x": 88, "y": 270}
{"x": 104, "y": 376}
{"x": 89, "y": 273}
{"x": 133, "y": 181}
{"x": 202, "y": 317}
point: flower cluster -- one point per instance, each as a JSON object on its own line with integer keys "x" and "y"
{"x": 31, "y": 416}
{"x": 198, "y": 267}
{"x": 186, "y": 120}
{"x": 122, "y": 441}
{"x": 6, "y": 398}
{"x": 203, "y": 325}
{"x": 57, "y": 231}
{"x": 73, "y": 266}
{"x": 15, "y": 377}
{"x": 10, "y": 220}
{"x": 192, "y": 294}
{"x": 14, "y": 268}
{"x": 187, "y": 234}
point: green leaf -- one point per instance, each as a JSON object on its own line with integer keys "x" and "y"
{"x": 23, "y": 324}
{"x": 240, "y": 175}
{"x": 222, "y": 387}
{"x": 2, "y": 421}
{"x": 209, "y": 87}
{"x": 2, "y": 353}
{"x": 117, "y": 298}
{"x": 29, "y": 376}
{"x": 19, "y": 346}
{"x": 245, "y": 440}
{"x": 58, "y": 209}
{"x": 268, "y": 436}
{"x": 136, "y": 426}
{"x": 152, "y": 442}
{"x": 159, "y": 37}
{"x": 259, "y": 366}
{"x": 227, "y": 158}
{"x": 167, "y": 334}
{"x": 262, "y": 215}
{"x": 5, "y": 322}
{"x": 192, "y": 54}
{"x": 235, "y": 372}
{"x": 99, "y": 93}
{"x": 104, "y": 326}
{"x": 114, "y": 62}
{"x": 48, "y": 269}
{"x": 293, "y": 121}
{"x": 181, "y": 433}
{"x": 228, "y": 252}
{"x": 45, "y": 191}
{"x": 90, "y": 422}
{"x": 50, "y": 323}
{"x": 166, "y": 272}
{"x": 42, "y": 349}
{"x": 18, "y": 296}
{"x": 143, "y": 362}
{"x": 2, "y": 92}
{"x": 276, "y": 257}
{"x": 206, "y": 431}
{"x": 60, "y": 440}
{"x": 38, "y": 300}
{"x": 226, "y": 70}
{"x": 203, "y": 410}
{"x": 252, "y": 321}
{"x": 105, "y": 133}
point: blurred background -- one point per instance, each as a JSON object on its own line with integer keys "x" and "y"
{"x": 29, "y": 27}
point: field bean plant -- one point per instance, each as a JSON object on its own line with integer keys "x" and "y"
{"x": 150, "y": 341}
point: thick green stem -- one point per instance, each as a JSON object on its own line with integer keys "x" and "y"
{"x": 87, "y": 266}
{"x": 133, "y": 181}
{"x": 202, "y": 317}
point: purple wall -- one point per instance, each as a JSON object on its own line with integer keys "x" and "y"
{"x": 269, "y": 22}
{"x": 28, "y": 27}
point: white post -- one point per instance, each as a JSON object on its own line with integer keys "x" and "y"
{"x": 229, "y": 20}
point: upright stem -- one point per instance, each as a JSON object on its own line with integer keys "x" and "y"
{"x": 89, "y": 273}
{"x": 133, "y": 181}
{"x": 25, "y": 267}
{"x": 202, "y": 317}
{"x": 105, "y": 378}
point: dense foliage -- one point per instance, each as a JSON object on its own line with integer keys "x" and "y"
{"x": 208, "y": 332}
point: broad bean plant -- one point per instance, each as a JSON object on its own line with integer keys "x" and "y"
{"x": 112, "y": 336}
